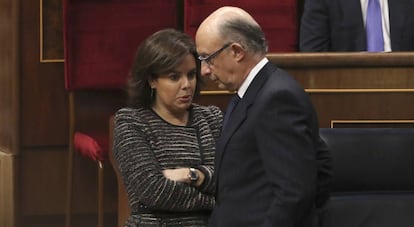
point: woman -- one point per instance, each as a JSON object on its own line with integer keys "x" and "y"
{"x": 164, "y": 143}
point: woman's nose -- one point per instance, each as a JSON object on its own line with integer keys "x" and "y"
{"x": 186, "y": 81}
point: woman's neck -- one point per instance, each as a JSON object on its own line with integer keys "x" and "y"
{"x": 178, "y": 118}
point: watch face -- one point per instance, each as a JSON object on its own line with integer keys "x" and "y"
{"x": 193, "y": 175}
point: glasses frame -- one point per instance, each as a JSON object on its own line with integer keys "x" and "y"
{"x": 210, "y": 57}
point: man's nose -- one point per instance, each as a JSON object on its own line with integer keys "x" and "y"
{"x": 205, "y": 69}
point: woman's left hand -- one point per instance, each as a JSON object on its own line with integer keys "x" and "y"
{"x": 179, "y": 174}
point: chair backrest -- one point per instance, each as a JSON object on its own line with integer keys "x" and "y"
{"x": 278, "y": 19}
{"x": 123, "y": 206}
{"x": 93, "y": 109}
{"x": 100, "y": 40}
{"x": 373, "y": 182}
{"x": 101, "y": 37}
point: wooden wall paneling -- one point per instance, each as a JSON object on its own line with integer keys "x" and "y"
{"x": 9, "y": 76}
{"x": 42, "y": 190}
{"x": 51, "y": 31}
{"x": 8, "y": 208}
{"x": 84, "y": 220}
{"x": 42, "y": 181}
{"x": 93, "y": 109}
{"x": 355, "y": 86}
{"x": 44, "y": 126}
{"x": 372, "y": 123}
{"x": 9, "y": 111}
{"x": 362, "y": 106}
{"x": 44, "y": 100}
{"x": 342, "y": 59}
{"x": 220, "y": 100}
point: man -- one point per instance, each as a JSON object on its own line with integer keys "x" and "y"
{"x": 272, "y": 168}
{"x": 339, "y": 25}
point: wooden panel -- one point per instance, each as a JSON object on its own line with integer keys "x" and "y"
{"x": 78, "y": 220}
{"x": 362, "y": 106}
{"x": 219, "y": 100}
{"x": 355, "y": 86}
{"x": 51, "y": 31}
{"x": 9, "y": 75}
{"x": 346, "y": 86}
{"x": 94, "y": 108}
{"x": 43, "y": 184}
{"x": 7, "y": 190}
{"x": 338, "y": 59}
{"x": 44, "y": 104}
{"x": 372, "y": 123}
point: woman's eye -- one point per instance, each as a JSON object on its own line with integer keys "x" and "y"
{"x": 174, "y": 77}
{"x": 191, "y": 75}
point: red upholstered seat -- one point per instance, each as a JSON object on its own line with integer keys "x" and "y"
{"x": 278, "y": 19}
{"x": 100, "y": 40}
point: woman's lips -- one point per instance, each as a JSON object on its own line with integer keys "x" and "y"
{"x": 186, "y": 98}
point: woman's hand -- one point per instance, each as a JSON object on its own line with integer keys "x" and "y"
{"x": 179, "y": 174}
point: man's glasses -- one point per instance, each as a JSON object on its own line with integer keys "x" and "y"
{"x": 210, "y": 57}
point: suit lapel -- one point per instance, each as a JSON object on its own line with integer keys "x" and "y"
{"x": 240, "y": 112}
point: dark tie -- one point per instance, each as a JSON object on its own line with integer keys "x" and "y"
{"x": 233, "y": 103}
{"x": 375, "y": 40}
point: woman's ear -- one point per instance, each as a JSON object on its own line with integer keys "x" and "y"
{"x": 151, "y": 82}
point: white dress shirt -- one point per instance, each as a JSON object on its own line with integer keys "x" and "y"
{"x": 251, "y": 76}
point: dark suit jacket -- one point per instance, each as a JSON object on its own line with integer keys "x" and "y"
{"x": 337, "y": 25}
{"x": 272, "y": 168}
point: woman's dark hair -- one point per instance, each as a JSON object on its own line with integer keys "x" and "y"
{"x": 159, "y": 53}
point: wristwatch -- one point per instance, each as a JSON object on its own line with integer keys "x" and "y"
{"x": 193, "y": 175}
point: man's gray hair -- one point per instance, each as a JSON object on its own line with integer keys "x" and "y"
{"x": 248, "y": 34}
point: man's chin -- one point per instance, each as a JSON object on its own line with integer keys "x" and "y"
{"x": 222, "y": 86}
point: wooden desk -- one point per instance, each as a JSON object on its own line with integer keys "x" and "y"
{"x": 349, "y": 89}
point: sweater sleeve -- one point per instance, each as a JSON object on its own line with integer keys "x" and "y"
{"x": 142, "y": 174}
{"x": 214, "y": 118}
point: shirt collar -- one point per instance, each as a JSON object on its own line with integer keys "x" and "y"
{"x": 243, "y": 88}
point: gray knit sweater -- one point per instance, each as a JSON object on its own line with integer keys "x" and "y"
{"x": 145, "y": 144}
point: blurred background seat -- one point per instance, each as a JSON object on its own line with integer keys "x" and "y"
{"x": 278, "y": 19}
{"x": 100, "y": 40}
{"x": 372, "y": 183}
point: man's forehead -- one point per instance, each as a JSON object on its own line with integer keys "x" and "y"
{"x": 207, "y": 43}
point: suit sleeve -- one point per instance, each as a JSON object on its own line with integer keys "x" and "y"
{"x": 314, "y": 28}
{"x": 287, "y": 149}
{"x": 324, "y": 173}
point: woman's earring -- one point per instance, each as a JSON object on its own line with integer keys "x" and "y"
{"x": 152, "y": 93}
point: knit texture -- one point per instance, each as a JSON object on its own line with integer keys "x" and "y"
{"x": 145, "y": 144}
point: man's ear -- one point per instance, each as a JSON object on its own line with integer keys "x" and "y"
{"x": 238, "y": 51}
